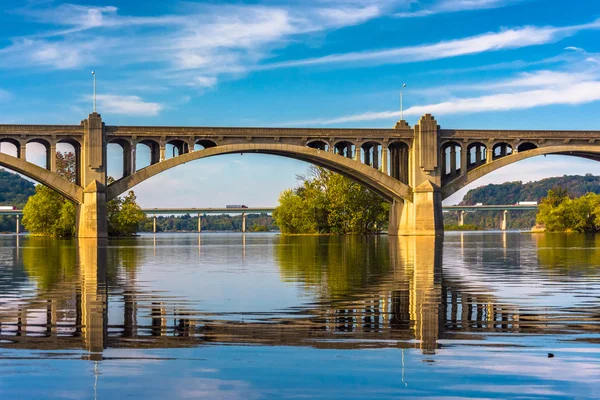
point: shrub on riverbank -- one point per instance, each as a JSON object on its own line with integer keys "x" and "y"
{"x": 560, "y": 213}
{"x": 326, "y": 202}
{"x": 465, "y": 227}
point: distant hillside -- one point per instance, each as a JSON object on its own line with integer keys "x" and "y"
{"x": 513, "y": 192}
{"x": 14, "y": 190}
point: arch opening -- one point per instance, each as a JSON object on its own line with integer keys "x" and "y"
{"x": 38, "y": 153}
{"x": 70, "y": 146}
{"x": 500, "y": 150}
{"x": 176, "y": 147}
{"x": 476, "y": 155}
{"x": 371, "y": 154}
{"x": 451, "y": 160}
{"x": 204, "y": 144}
{"x": 399, "y": 161}
{"x": 526, "y": 146}
{"x": 120, "y": 150}
{"x": 319, "y": 145}
{"x": 11, "y": 147}
{"x": 344, "y": 149}
{"x": 147, "y": 153}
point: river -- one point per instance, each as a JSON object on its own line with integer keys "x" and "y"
{"x": 261, "y": 316}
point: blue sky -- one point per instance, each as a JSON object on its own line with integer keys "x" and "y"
{"x": 522, "y": 64}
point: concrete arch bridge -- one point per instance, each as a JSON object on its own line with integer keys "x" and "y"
{"x": 414, "y": 168}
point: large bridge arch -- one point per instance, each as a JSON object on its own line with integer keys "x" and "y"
{"x": 47, "y": 178}
{"x": 389, "y": 188}
{"x": 583, "y": 151}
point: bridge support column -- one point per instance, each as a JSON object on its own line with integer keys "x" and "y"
{"x": 504, "y": 220}
{"x": 489, "y": 155}
{"x": 51, "y": 158}
{"x": 461, "y": 218}
{"x": 357, "y": 154}
{"x": 133, "y": 158}
{"x": 453, "y": 160}
{"x": 199, "y": 223}
{"x": 23, "y": 152}
{"x": 154, "y": 223}
{"x": 91, "y": 214}
{"x": 18, "y": 229}
{"x": 421, "y": 217}
{"x": 464, "y": 158}
{"x": 384, "y": 160}
{"x": 244, "y": 222}
{"x": 163, "y": 151}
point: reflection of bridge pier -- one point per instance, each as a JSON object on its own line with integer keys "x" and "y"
{"x": 94, "y": 297}
{"x": 421, "y": 257}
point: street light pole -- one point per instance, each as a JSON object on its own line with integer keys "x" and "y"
{"x": 401, "y": 108}
{"x": 94, "y": 74}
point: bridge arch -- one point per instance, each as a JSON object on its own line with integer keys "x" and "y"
{"x": 584, "y": 151}
{"x": 47, "y": 178}
{"x": 386, "y": 186}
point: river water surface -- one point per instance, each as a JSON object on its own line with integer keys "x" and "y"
{"x": 260, "y": 316}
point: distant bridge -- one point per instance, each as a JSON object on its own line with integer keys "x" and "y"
{"x": 462, "y": 209}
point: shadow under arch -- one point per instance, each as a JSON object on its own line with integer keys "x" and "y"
{"x": 386, "y": 186}
{"x": 588, "y": 151}
{"x": 47, "y": 178}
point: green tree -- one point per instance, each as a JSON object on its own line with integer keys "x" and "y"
{"x": 559, "y": 213}
{"x": 46, "y": 212}
{"x": 327, "y": 202}
{"x": 130, "y": 215}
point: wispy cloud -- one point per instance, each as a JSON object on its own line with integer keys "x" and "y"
{"x": 494, "y": 41}
{"x": 127, "y": 105}
{"x": 450, "y": 6}
{"x": 524, "y": 91}
{"x": 194, "y": 47}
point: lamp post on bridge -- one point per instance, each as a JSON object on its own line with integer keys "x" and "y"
{"x": 401, "y": 106}
{"x": 94, "y": 75}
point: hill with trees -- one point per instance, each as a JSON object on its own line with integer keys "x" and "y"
{"x": 14, "y": 191}
{"x": 513, "y": 192}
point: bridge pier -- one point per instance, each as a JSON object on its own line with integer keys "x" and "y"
{"x": 92, "y": 219}
{"x": 244, "y": 223}
{"x": 504, "y": 220}
{"x": 461, "y": 218}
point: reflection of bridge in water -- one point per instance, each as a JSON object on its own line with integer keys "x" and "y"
{"x": 410, "y": 304}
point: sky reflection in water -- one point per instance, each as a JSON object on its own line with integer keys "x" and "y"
{"x": 264, "y": 316}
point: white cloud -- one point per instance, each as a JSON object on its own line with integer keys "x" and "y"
{"x": 527, "y": 90}
{"x": 127, "y": 105}
{"x": 448, "y": 6}
{"x": 493, "y": 41}
{"x": 211, "y": 40}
